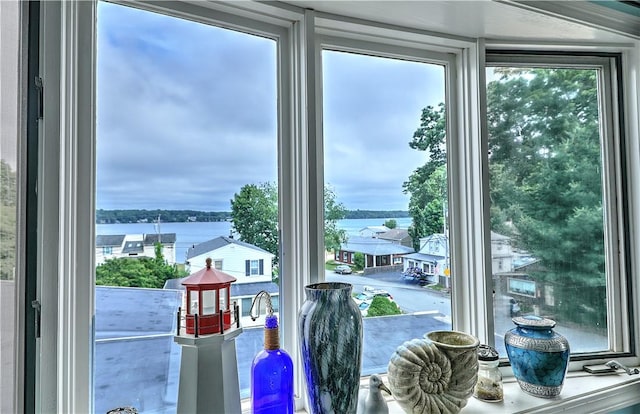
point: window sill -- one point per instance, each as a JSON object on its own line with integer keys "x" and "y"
{"x": 582, "y": 393}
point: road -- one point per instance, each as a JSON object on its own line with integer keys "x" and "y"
{"x": 413, "y": 299}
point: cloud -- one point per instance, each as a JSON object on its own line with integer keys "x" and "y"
{"x": 186, "y": 115}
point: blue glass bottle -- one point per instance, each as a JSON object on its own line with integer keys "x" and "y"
{"x": 272, "y": 375}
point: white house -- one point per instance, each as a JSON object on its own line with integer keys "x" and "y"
{"x": 244, "y": 261}
{"x": 134, "y": 245}
{"x": 432, "y": 258}
{"x": 502, "y": 254}
{"x": 373, "y": 231}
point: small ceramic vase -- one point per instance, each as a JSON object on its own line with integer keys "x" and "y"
{"x": 539, "y": 356}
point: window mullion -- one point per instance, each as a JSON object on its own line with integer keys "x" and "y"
{"x": 469, "y": 236}
{"x": 298, "y": 232}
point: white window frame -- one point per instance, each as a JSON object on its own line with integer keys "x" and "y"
{"x": 254, "y": 270}
{"x": 67, "y": 170}
{"x": 615, "y": 217}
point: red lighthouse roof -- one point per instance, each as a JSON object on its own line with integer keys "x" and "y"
{"x": 208, "y": 277}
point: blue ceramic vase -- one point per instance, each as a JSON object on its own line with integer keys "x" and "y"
{"x": 539, "y": 356}
{"x": 330, "y": 327}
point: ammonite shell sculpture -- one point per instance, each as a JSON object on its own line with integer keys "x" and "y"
{"x": 430, "y": 378}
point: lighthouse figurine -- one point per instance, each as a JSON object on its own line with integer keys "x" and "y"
{"x": 208, "y": 367}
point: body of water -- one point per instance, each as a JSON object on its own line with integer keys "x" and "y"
{"x": 189, "y": 234}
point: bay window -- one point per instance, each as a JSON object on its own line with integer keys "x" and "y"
{"x": 537, "y": 150}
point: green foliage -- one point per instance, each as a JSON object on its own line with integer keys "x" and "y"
{"x": 381, "y": 306}
{"x": 167, "y": 216}
{"x": 358, "y": 260}
{"x": 254, "y": 214}
{"x": 372, "y": 214}
{"x": 427, "y": 206}
{"x": 427, "y": 185}
{"x": 145, "y": 272}
{"x": 545, "y": 179}
{"x": 8, "y": 193}
{"x": 333, "y": 211}
{"x": 391, "y": 224}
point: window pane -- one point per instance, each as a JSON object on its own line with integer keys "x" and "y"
{"x": 385, "y": 186}
{"x": 186, "y": 170}
{"x": 545, "y": 166}
{"x": 9, "y": 136}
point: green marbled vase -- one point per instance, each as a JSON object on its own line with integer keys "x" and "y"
{"x": 330, "y": 329}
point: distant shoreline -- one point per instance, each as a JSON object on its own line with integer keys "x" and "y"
{"x": 186, "y": 216}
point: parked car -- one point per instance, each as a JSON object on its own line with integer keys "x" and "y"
{"x": 343, "y": 269}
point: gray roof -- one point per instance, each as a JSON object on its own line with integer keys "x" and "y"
{"x": 376, "y": 229}
{"x": 394, "y": 234}
{"x": 133, "y": 247}
{"x": 424, "y": 257}
{"x": 164, "y": 238}
{"x": 374, "y": 247}
{"x": 104, "y": 240}
{"x": 215, "y": 244}
{"x": 237, "y": 289}
{"x": 246, "y": 289}
{"x": 109, "y": 240}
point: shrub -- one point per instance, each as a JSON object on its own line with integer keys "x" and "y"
{"x": 381, "y": 306}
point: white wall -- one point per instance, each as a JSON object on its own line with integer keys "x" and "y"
{"x": 233, "y": 258}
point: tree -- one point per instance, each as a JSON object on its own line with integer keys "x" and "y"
{"x": 427, "y": 184}
{"x": 254, "y": 215}
{"x": 358, "y": 260}
{"x": 428, "y": 208}
{"x": 545, "y": 178}
{"x": 333, "y": 211}
{"x": 391, "y": 224}
{"x": 145, "y": 272}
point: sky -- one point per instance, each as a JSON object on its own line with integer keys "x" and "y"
{"x": 187, "y": 115}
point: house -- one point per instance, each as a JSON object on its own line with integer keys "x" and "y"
{"x": 431, "y": 260}
{"x": 433, "y": 257}
{"x": 135, "y": 245}
{"x": 372, "y": 231}
{"x": 502, "y": 255}
{"x": 397, "y": 236}
{"x": 244, "y": 261}
{"x": 52, "y": 146}
{"x": 377, "y": 253}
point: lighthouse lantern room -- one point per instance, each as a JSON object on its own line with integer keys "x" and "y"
{"x": 208, "y": 301}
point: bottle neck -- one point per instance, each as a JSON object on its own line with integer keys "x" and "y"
{"x": 271, "y": 339}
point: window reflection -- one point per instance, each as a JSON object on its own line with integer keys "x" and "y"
{"x": 9, "y": 138}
